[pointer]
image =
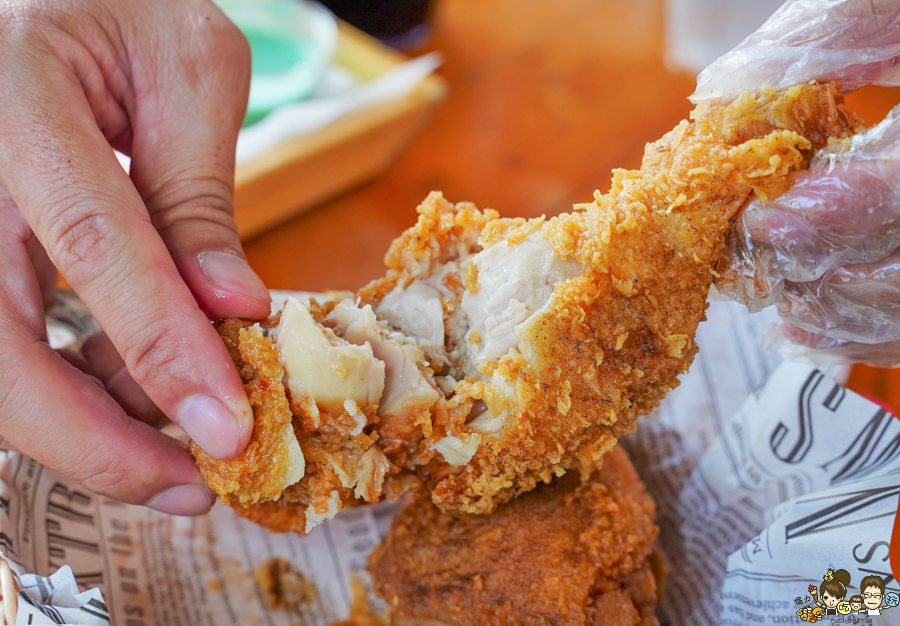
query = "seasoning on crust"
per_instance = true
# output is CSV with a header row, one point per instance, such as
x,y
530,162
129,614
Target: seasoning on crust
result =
x,y
571,553
498,353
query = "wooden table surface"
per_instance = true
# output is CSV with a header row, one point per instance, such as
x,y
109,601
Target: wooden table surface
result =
x,y
546,98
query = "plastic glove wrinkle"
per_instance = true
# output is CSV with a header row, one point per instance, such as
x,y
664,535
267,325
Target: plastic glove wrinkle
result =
x,y
854,42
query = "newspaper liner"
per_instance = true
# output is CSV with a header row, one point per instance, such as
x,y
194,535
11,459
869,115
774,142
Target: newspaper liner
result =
x,y
56,599
766,474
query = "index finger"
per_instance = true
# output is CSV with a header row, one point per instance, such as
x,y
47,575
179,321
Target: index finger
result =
x,y
64,177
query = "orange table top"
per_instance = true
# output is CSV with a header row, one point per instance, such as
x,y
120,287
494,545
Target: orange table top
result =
x,y
546,98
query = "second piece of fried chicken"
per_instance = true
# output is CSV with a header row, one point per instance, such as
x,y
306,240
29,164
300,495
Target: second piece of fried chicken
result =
x,y
498,353
569,553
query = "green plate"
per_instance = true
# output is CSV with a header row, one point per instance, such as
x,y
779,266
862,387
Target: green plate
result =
x,y
291,43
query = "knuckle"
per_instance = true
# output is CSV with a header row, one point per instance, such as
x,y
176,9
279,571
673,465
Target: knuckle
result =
x,y
104,474
192,200
211,26
79,237
151,353
233,39
117,474
233,44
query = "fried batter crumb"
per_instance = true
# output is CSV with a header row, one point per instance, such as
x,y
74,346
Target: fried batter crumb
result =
x,y
283,587
256,475
362,613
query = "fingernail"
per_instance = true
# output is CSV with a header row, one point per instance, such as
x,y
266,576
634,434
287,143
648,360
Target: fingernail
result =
x,y
183,500
213,427
231,273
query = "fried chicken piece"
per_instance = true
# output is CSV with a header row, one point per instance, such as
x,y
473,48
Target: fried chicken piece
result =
x,y
569,553
498,353
264,483
578,324
272,461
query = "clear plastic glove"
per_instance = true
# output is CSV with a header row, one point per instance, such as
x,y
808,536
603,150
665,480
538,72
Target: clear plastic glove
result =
x,y
826,252
165,82
853,42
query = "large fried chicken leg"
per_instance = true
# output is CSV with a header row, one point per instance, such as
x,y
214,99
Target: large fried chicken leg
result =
x,y
498,353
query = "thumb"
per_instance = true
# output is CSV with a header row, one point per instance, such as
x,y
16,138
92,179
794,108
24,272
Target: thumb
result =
x,y
183,148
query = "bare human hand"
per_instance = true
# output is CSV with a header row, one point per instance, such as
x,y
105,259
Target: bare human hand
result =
x,y
165,82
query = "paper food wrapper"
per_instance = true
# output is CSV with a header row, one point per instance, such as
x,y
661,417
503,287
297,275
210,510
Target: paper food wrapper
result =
x,y
56,599
766,473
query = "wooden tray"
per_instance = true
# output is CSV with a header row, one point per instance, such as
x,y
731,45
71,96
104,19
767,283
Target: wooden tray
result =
x,y
305,171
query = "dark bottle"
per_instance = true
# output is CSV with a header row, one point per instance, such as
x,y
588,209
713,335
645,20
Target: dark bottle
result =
x,y
404,24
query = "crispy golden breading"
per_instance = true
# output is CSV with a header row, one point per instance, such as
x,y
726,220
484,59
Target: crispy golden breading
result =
x,y
278,516
612,340
362,613
255,475
551,335
320,490
251,483
570,553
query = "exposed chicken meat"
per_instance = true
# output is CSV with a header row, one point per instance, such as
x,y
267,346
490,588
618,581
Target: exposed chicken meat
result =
x,y
273,460
429,312
323,371
407,388
498,353
418,310
515,280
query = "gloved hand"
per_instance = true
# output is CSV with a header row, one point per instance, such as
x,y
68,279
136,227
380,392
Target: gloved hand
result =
x,y
827,252
165,82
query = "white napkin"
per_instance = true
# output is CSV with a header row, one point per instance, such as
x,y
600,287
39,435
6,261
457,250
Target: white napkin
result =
x,y
337,97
